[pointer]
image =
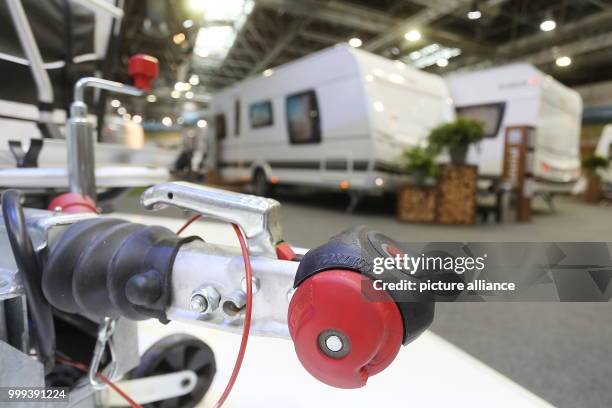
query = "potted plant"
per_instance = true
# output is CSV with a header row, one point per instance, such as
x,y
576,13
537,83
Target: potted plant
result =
x,y
593,164
420,164
457,137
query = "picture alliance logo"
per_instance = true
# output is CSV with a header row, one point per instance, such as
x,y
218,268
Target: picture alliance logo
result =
x,y
423,263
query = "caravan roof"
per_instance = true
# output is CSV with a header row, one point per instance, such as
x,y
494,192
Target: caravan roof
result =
x,y
344,61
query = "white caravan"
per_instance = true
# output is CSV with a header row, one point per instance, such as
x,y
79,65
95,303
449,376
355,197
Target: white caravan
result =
x,y
604,149
516,95
339,118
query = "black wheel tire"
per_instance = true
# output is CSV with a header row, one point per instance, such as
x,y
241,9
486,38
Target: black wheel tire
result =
x,y
175,353
260,184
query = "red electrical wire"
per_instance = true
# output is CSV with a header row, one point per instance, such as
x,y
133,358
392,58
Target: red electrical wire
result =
x,y
188,223
102,377
246,328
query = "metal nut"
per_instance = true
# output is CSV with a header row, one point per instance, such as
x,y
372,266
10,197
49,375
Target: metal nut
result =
x,y
205,300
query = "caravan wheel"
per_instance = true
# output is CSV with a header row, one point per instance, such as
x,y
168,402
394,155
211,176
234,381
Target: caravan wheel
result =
x,y
259,184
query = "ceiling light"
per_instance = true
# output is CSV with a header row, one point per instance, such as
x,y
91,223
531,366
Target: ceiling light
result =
x,y
194,80
548,25
474,14
202,123
355,42
430,55
127,116
167,121
137,119
378,106
214,41
413,35
115,103
175,94
151,98
415,55
188,23
442,62
198,5
189,95
182,86
563,61
121,111
268,72
179,38
227,10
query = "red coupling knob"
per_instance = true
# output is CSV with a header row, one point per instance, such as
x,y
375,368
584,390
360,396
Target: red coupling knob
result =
x,y
340,337
143,69
73,203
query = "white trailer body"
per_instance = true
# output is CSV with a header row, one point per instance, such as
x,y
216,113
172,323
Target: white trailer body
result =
x,y
521,95
604,149
339,118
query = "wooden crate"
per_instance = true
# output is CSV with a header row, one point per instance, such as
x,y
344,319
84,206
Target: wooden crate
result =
x,y
416,203
456,201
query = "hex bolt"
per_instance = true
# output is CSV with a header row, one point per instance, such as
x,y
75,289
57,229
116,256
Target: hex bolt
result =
x,y
198,303
204,300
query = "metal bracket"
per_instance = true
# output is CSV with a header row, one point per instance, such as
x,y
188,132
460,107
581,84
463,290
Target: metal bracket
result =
x,y
258,217
152,389
29,158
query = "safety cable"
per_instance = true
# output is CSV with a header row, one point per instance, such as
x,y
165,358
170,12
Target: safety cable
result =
x,y
27,262
102,377
246,328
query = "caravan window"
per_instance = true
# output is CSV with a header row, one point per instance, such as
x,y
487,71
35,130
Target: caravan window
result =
x,y
490,114
220,126
261,115
237,117
303,119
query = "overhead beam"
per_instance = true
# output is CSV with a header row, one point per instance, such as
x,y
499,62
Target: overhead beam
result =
x,y
537,46
281,43
574,48
434,11
600,19
333,12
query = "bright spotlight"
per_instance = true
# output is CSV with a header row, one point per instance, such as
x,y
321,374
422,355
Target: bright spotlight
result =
x,y
194,80
563,61
413,35
189,95
152,98
355,42
474,14
188,23
268,72
121,111
115,103
137,119
442,62
175,94
179,38
202,123
197,5
548,25
167,121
